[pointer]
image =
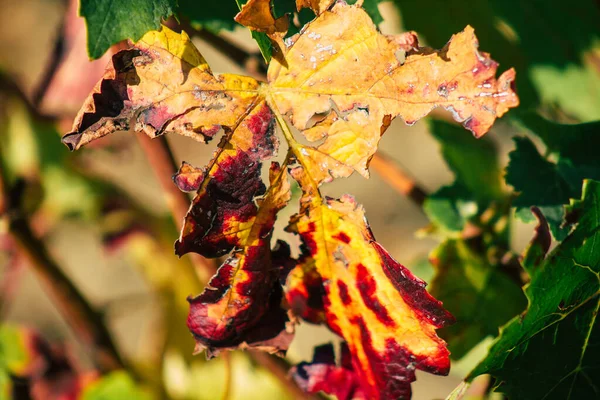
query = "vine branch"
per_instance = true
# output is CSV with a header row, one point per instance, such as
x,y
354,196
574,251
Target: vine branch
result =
x,y
86,322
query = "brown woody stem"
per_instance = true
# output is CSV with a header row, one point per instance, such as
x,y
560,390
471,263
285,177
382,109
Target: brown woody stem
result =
x,y
394,176
163,164
86,322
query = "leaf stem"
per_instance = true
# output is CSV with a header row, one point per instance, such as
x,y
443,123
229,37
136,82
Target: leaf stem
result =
x,y
293,143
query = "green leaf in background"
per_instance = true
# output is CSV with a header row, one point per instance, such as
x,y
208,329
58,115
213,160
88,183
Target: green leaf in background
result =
x,y
553,44
116,385
552,350
478,177
481,297
32,151
16,357
549,185
15,354
214,16
539,184
110,21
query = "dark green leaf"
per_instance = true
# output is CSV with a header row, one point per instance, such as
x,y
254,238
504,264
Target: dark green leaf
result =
x,y
478,177
549,185
214,16
481,297
539,183
473,161
551,351
110,21
450,207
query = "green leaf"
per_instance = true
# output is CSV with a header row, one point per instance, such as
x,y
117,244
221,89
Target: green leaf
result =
x,y
110,21
478,177
550,42
450,207
549,185
551,351
215,16
116,385
473,161
16,357
481,297
539,183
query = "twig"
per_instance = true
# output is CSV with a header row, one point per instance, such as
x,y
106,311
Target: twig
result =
x,y
394,176
278,367
80,315
52,66
228,378
164,166
391,173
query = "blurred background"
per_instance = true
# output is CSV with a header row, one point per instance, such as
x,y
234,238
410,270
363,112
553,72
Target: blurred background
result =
x,y
104,220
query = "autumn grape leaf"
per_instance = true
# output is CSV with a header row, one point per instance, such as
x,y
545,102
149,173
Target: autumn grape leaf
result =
x,y
548,184
165,85
340,83
374,303
241,305
551,350
476,292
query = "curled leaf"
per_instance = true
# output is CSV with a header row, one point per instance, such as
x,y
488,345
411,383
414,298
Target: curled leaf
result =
x,y
224,203
163,85
188,178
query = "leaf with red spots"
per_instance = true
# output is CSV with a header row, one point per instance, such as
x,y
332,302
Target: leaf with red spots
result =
x,y
241,305
381,309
